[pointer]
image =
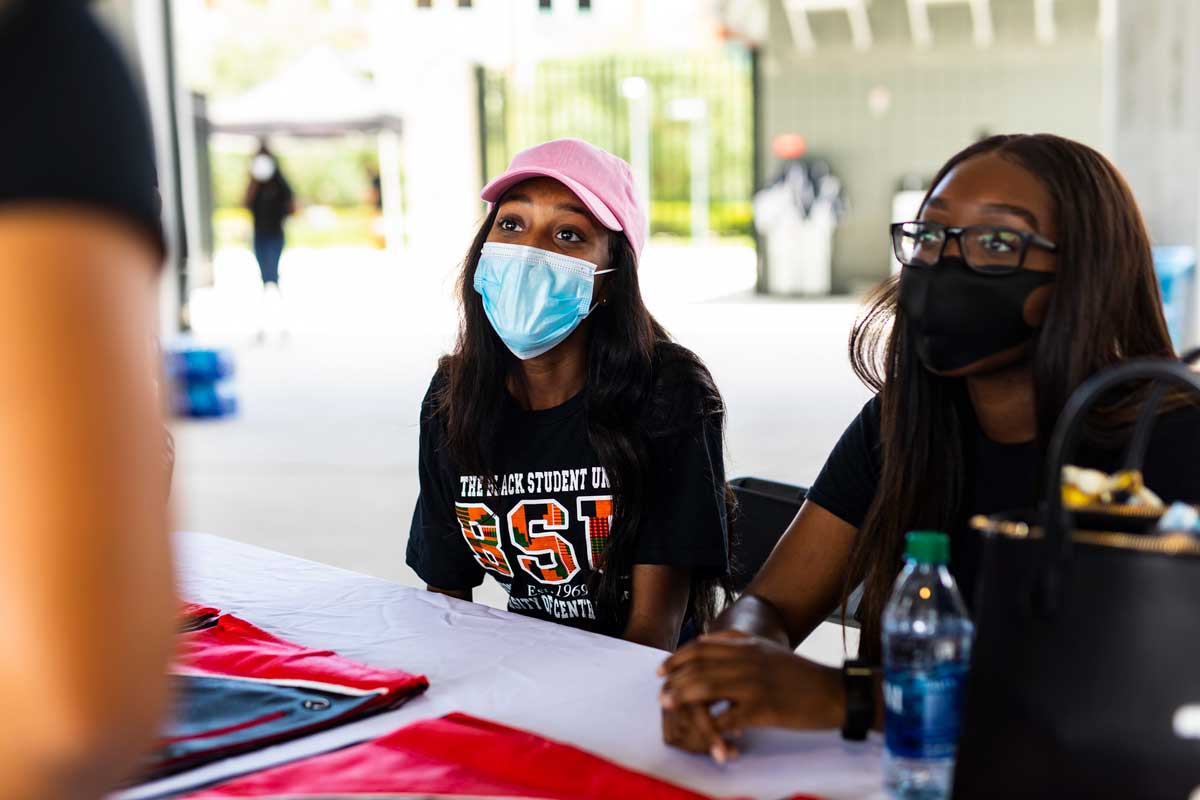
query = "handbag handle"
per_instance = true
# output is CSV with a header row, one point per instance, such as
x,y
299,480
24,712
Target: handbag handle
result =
x,y
1135,456
1065,440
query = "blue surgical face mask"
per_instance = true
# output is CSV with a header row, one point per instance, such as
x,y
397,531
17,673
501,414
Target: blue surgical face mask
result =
x,y
533,298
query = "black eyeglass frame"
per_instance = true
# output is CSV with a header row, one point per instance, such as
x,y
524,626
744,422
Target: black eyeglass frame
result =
x,y
948,232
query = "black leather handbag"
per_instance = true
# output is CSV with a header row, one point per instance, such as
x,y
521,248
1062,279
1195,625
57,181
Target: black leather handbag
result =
x,y
1085,673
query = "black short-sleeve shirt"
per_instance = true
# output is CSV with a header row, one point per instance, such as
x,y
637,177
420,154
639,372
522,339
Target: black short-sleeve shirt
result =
x,y
271,204
73,128
1004,477
541,524
846,484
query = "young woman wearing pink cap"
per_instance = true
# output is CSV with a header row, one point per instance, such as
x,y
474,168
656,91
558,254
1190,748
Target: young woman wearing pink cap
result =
x,y
569,448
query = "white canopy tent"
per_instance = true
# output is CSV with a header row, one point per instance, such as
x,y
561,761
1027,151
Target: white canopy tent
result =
x,y
318,96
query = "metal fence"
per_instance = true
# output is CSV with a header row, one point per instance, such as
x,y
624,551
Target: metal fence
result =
x,y
685,122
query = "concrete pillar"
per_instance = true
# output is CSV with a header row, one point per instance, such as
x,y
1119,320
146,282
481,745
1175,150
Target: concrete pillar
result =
x,y
390,166
1153,114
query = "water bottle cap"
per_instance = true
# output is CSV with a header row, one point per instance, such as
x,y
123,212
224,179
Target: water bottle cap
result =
x,y
927,547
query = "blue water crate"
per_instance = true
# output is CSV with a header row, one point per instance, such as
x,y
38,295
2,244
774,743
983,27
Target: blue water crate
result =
x,y
198,364
204,401
1176,271
198,378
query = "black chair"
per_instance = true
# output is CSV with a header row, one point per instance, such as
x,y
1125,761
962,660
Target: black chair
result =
x,y
765,509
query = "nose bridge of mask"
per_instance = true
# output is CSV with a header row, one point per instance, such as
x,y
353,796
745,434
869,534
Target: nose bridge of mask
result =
x,y
959,297
552,277
528,255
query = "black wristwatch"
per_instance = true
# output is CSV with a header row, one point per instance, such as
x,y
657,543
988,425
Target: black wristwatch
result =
x,y
858,676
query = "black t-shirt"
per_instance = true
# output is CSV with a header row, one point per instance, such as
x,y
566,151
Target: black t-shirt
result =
x,y
1004,477
73,129
270,205
540,525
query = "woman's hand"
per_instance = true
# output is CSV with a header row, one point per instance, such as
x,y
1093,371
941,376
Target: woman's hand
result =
x,y
764,683
691,728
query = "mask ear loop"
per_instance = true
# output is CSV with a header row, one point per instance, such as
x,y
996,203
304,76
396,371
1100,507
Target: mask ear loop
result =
x,y
597,305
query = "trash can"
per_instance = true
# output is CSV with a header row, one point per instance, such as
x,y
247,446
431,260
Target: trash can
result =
x,y
1176,271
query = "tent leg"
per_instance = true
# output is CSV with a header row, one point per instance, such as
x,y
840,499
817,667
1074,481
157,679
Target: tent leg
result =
x,y
390,189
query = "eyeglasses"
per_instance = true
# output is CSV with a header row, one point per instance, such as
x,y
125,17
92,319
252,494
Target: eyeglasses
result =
x,y
987,249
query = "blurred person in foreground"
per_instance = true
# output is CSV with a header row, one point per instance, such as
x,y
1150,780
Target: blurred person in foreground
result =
x,y
86,599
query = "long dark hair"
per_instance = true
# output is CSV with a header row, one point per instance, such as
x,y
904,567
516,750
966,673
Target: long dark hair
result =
x,y
1105,308
641,388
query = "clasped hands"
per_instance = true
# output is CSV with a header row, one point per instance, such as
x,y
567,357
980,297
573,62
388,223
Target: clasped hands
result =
x,y
724,683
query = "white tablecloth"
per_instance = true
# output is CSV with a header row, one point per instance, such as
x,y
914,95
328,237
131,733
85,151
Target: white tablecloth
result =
x,y
592,691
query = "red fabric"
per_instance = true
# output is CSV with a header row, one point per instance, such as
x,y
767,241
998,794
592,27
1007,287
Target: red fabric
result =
x,y
235,648
227,647
454,756
192,610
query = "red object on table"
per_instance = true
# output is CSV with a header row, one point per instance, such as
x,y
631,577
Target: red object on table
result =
x,y
233,647
453,756
238,688
188,611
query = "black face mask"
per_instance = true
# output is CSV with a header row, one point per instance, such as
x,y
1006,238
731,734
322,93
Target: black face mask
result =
x,y
957,316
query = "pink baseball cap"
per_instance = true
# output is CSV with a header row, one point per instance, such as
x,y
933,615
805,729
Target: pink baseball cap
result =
x,y
598,178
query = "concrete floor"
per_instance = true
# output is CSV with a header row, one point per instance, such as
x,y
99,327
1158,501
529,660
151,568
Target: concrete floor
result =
x,y
321,460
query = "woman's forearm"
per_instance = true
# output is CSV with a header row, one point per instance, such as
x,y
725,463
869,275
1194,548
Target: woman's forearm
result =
x,y
85,569
755,616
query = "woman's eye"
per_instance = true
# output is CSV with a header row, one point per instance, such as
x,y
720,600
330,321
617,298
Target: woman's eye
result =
x,y
999,243
509,225
570,236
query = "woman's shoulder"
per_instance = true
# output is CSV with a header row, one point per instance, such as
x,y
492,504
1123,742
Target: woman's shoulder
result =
x,y
870,415
683,384
1172,465
1178,429
439,384
82,135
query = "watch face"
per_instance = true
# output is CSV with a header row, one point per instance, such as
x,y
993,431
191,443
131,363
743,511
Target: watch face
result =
x,y
860,699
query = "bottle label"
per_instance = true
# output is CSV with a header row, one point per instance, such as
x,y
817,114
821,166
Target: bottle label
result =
x,y
924,710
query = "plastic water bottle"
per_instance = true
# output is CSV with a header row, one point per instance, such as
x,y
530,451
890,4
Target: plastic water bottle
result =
x,y
926,653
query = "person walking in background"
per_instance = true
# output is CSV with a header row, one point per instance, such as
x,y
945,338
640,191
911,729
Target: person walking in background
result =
x,y
86,590
271,201
374,200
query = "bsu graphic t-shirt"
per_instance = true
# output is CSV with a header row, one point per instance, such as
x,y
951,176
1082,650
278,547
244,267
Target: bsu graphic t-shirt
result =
x,y
540,525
